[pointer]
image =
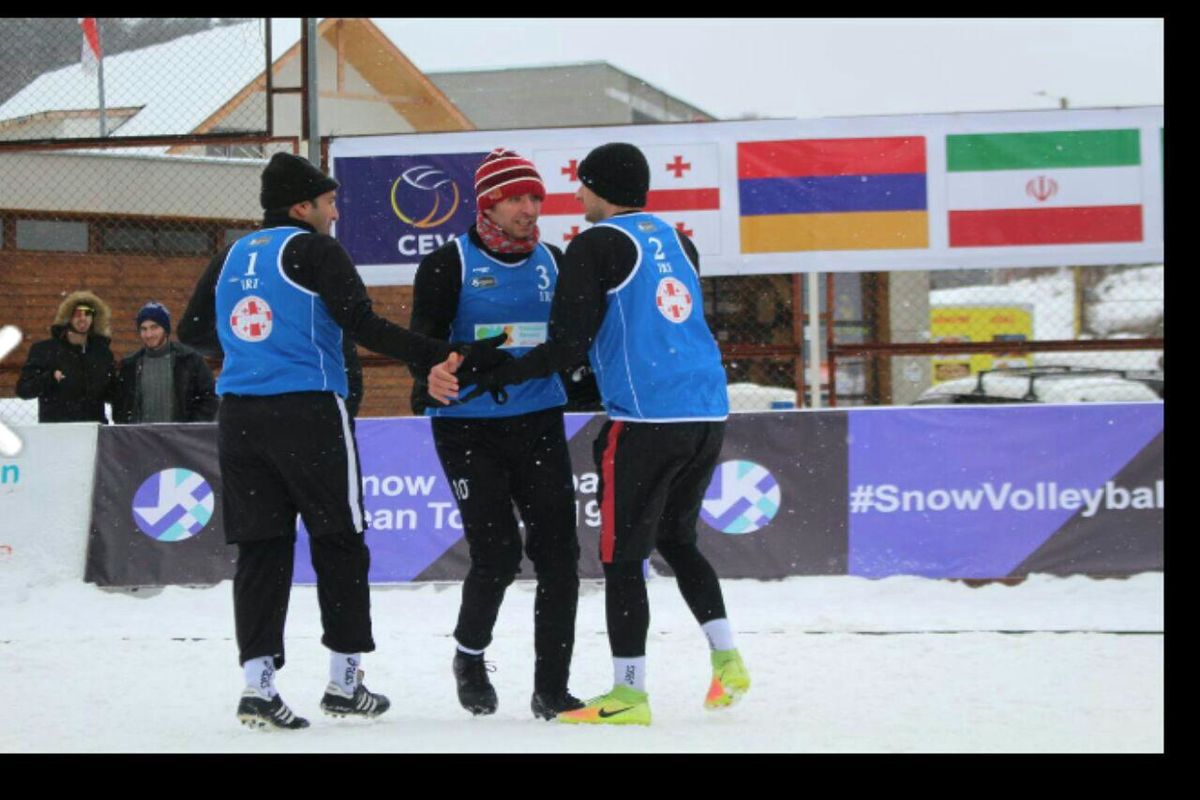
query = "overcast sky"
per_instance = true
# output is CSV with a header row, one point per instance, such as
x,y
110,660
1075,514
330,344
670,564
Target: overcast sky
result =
x,y
825,67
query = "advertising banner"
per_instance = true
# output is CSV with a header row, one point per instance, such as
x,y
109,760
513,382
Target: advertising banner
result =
x,y
859,194
156,514
956,492
986,492
979,323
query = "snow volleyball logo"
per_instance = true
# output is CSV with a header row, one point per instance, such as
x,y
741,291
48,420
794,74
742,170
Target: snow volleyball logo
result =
x,y
173,505
742,497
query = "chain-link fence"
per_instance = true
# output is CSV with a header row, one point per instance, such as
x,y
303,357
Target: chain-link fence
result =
x,y
132,198
888,338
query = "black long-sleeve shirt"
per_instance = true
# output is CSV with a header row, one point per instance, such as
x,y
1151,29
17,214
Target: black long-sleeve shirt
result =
x,y
320,264
597,260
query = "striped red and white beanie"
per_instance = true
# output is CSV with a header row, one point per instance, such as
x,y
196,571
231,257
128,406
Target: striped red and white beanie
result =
x,y
503,174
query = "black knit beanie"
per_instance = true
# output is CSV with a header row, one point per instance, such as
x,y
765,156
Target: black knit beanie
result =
x,y
618,172
289,179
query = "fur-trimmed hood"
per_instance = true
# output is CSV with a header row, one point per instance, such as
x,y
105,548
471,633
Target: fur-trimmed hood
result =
x,y
101,326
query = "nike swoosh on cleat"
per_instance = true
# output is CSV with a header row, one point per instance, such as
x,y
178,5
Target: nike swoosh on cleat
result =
x,y
606,714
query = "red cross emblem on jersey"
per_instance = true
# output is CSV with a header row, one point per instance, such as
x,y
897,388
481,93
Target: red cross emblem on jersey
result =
x,y
251,319
673,299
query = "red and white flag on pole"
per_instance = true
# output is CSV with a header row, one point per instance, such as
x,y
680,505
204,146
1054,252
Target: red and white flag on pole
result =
x,y
91,55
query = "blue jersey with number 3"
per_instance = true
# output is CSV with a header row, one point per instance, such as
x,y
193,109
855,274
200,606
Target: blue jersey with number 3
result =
x,y
511,298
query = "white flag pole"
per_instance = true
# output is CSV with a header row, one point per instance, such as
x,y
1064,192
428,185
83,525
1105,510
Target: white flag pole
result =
x,y
92,58
100,83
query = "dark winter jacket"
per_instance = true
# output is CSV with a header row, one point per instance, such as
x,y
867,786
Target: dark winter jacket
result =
x,y
195,394
89,372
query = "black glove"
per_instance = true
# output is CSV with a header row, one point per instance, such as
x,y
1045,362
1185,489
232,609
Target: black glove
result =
x,y
479,358
492,381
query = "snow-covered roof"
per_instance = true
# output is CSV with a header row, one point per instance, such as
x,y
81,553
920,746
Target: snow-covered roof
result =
x,y
177,84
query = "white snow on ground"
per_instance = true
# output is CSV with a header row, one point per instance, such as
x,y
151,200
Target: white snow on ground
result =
x,y
839,665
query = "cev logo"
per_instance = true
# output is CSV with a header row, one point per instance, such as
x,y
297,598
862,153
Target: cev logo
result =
x,y
173,505
742,497
424,187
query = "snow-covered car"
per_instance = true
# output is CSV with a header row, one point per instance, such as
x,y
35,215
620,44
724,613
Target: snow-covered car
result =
x,y
1044,385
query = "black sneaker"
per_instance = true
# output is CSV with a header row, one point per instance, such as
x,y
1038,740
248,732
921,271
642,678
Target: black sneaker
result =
x,y
475,691
363,703
547,705
255,711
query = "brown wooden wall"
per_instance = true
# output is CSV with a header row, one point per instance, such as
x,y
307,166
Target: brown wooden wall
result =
x,y
33,284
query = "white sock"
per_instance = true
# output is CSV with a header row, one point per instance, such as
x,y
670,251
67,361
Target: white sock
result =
x,y
720,635
469,651
260,676
343,671
630,672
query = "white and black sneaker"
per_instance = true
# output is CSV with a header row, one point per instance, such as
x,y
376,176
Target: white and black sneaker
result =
x,y
256,711
362,703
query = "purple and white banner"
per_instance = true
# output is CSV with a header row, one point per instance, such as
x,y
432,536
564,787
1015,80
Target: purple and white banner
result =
x,y
956,492
985,492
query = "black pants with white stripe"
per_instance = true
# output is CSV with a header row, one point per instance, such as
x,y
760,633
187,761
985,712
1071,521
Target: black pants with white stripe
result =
x,y
280,456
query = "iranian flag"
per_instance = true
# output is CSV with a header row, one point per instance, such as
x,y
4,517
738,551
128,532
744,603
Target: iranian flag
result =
x,y
1046,187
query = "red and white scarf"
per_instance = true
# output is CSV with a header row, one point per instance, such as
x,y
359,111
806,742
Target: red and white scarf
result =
x,y
495,239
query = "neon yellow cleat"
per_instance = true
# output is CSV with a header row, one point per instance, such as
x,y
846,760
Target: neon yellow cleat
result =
x,y
624,705
730,679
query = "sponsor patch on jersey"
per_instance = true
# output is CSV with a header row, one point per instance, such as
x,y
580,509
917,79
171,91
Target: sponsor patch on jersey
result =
x,y
483,281
647,227
259,240
251,319
520,334
673,299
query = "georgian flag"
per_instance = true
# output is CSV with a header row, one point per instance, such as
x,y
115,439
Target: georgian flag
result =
x,y
683,191
90,55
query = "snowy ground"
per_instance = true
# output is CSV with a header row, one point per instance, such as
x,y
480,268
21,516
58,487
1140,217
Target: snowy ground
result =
x,y
839,664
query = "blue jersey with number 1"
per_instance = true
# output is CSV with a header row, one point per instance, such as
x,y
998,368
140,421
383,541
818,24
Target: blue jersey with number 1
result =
x,y
278,337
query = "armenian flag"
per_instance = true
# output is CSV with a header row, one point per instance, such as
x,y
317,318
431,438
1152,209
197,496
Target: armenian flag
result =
x,y
833,194
1045,187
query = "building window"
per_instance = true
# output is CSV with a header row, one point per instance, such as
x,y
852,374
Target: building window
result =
x,y
184,243
138,237
233,234
53,235
234,150
128,240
